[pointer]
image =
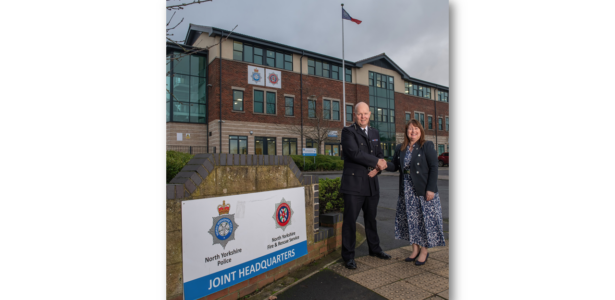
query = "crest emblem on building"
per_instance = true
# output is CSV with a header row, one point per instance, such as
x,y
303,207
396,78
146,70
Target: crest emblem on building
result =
x,y
224,226
273,78
283,214
256,76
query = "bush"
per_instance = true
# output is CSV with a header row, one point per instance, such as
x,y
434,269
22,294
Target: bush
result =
x,y
323,163
330,196
175,162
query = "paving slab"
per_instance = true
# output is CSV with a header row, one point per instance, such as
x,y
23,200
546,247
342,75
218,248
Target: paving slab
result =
x,y
342,270
402,290
402,270
373,279
430,282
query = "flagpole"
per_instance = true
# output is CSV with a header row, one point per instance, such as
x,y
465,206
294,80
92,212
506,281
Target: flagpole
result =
x,y
343,72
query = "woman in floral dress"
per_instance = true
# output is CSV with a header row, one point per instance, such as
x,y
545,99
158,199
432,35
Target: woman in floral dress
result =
x,y
419,213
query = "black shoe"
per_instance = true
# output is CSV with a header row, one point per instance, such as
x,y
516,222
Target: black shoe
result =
x,y
418,263
380,255
350,264
411,259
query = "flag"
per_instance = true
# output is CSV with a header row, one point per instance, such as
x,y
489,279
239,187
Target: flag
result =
x,y
346,16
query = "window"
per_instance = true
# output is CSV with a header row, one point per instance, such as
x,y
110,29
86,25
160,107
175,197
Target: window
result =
x,y
348,113
407,117
392,116
186,88
260,106
264,145
326,109
439,123
440,149
332,149
311,108
418,90
420,117
309,143
335,111
442,96
325,69
348,75
430,122
446,123
238,144
237,100
271,103
290,106
254,54
259,101
289,146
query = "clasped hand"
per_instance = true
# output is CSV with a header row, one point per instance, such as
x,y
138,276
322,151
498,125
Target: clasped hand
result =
x,y
382,164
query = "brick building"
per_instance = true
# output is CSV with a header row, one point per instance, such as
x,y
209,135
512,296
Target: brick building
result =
x,y
222,99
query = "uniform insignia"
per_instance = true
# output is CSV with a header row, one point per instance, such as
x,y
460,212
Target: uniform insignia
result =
x,y
374,140
224,226
283,214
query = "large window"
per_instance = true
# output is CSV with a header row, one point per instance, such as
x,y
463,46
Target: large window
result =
x,y
439,123
417,90
326,109
328,70
261,56
260,106
419,116
440,149
349,113
237,100
186,88
446,123
382,106
264,145
335,109
311,108
238,144
407,117
289,104
259,101
430,122
442,96
271,103
289,146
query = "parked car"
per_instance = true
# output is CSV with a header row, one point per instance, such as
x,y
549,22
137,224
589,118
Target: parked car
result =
x,y
443,159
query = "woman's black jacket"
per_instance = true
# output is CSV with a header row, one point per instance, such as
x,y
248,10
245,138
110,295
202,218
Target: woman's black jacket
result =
x,y
423,167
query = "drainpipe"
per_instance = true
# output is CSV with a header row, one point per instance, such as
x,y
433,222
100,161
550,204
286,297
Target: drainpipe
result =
x,y
220,93
435,108
301,95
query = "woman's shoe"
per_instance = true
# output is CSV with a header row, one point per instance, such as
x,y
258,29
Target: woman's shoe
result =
x,y
418,263
409,259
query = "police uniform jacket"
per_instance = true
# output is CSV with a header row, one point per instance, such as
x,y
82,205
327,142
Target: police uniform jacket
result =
x,y
423,167
360,153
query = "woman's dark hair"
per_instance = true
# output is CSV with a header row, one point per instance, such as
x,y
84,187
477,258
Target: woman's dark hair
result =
x,y
421,140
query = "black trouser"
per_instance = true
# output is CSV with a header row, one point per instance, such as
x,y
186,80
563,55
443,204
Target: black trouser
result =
x,y
352,207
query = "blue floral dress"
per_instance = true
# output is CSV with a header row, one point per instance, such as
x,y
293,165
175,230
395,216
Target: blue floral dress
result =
x,y
418,221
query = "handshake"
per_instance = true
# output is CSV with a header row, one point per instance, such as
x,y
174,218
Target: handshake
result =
x,y
382,164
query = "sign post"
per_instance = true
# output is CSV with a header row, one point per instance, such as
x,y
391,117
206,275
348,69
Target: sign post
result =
x,y
309,152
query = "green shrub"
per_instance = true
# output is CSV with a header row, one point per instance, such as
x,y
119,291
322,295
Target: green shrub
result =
x,y
330,196
175,162
323,163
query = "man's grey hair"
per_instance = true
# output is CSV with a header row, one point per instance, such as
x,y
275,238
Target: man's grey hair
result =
x,y
357,106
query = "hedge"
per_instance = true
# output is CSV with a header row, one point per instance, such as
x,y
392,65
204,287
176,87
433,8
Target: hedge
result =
x,y
175,162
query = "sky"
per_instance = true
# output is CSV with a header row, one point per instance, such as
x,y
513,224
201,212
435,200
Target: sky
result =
x,y
414,34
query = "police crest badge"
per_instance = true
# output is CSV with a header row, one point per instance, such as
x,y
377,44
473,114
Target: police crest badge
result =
x,y
224,226
283,214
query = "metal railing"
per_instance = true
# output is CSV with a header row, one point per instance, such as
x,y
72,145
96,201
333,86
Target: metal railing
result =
x,y
187,149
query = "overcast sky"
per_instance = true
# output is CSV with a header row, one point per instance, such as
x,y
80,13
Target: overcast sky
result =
x,y
413,33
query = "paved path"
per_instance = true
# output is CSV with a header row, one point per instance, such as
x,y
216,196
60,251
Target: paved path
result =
x,y
382,279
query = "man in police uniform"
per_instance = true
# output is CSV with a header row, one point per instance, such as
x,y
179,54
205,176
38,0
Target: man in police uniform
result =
x,y
361,153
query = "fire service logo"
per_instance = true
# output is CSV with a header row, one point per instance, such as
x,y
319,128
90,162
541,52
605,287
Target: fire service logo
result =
x,y
256,76
283,214
224,226
273,78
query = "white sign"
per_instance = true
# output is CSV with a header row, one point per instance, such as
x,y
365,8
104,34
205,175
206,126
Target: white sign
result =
x,y
256,75
179,136
309,151
332,134
227,240
273,78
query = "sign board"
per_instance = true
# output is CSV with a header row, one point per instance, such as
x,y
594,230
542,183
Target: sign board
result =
x,y
332,134
227,240
309,151
256,75
273,79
